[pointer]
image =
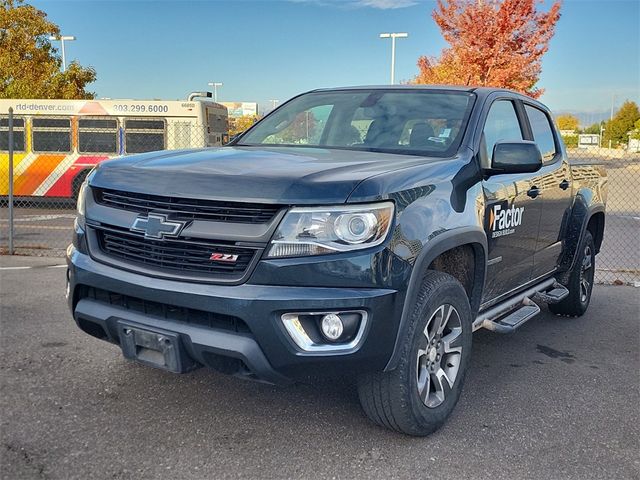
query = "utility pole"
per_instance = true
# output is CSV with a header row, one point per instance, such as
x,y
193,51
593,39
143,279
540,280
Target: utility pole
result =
x,y
62,39
613,101
307,112
215,86
10,148
393,37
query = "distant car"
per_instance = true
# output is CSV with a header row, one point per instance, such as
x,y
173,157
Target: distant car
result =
x,y
365,231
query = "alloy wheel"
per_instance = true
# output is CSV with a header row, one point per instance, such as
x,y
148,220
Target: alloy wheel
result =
x,y
439,355
586,274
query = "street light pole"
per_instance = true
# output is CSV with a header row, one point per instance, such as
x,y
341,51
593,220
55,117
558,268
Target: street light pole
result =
x,y
62,39
393,37
215,86
613,101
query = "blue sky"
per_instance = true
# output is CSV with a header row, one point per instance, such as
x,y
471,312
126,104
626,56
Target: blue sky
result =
x,y
265,50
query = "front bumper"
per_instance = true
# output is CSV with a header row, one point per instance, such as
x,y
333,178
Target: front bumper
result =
x,y
265,350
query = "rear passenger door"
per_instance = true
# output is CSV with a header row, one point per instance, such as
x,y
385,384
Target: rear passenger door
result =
x,y
554,184
511,214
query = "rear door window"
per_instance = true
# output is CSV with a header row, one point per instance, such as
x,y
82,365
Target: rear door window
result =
x,y
542,133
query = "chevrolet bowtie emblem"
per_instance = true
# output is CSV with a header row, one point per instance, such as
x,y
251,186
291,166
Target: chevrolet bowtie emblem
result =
x,y
157,226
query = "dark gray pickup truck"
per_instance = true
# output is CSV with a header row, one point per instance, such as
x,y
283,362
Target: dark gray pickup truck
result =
x,y
362,231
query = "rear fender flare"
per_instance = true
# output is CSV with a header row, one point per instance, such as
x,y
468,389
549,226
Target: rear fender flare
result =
x,y
582,211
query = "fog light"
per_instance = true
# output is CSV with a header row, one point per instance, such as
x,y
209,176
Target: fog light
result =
x,y
332,326
326,332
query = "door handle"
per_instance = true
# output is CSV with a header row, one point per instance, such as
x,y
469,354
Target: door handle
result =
x,y
533,192
564,184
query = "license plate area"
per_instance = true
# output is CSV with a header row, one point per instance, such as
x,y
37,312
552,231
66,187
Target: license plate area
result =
x,y
156,348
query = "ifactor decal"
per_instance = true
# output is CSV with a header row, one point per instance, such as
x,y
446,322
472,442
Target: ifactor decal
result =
x,y
503,219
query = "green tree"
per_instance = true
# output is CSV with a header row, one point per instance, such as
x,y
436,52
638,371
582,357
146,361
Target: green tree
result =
x,y
567,122
29,64
570,141
635,133
301,130
240,124
593,129
618,128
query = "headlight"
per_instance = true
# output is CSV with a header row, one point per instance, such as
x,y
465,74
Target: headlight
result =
x,y
82,193
321,230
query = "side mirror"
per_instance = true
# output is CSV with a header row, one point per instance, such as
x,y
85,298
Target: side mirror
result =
x,y
515,157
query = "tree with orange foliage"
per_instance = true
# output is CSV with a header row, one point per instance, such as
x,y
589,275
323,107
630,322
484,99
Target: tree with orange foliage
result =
x,y
492,43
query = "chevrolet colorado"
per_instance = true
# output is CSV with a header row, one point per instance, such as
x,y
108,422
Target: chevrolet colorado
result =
x,y
364,231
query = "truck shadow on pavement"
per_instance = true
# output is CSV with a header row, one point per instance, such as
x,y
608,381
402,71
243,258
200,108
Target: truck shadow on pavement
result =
x,y
503,378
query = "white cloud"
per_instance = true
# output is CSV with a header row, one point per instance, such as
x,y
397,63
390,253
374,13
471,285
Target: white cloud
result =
x,y
377,4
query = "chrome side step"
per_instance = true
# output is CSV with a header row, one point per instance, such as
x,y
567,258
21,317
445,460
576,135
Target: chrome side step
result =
x,y
514,319
514,312
557,293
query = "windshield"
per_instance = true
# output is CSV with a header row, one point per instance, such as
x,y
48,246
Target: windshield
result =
x,y
423,122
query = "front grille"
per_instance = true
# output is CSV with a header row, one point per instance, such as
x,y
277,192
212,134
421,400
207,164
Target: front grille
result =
x,y
186,208
166,311
184,255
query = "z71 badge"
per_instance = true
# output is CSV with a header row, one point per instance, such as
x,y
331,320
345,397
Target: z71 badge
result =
x,y
223,257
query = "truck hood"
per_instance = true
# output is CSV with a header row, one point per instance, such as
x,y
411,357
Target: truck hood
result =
x,y
282,175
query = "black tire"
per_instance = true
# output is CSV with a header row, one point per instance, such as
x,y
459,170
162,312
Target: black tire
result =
x,y
580,283
393,399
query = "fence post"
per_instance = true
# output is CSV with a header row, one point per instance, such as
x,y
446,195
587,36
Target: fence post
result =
x,y
10,180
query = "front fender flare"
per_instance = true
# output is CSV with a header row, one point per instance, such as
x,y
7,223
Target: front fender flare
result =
x,y
447,240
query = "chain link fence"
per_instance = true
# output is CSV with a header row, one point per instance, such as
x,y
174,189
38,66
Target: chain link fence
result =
x,y
52,155
619,258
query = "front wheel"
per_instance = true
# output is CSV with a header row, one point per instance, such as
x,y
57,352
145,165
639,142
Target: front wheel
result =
x,y
421,392
580,284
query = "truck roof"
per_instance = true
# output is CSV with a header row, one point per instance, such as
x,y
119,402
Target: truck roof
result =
x,y
462,88
480,91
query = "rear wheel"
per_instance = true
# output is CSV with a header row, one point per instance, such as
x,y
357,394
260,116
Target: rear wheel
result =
x,y
417,397
580,284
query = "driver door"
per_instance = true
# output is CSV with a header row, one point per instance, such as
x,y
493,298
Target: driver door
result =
x,y
512,212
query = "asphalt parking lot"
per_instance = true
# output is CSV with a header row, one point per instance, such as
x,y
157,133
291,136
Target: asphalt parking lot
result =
x,y
559,399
